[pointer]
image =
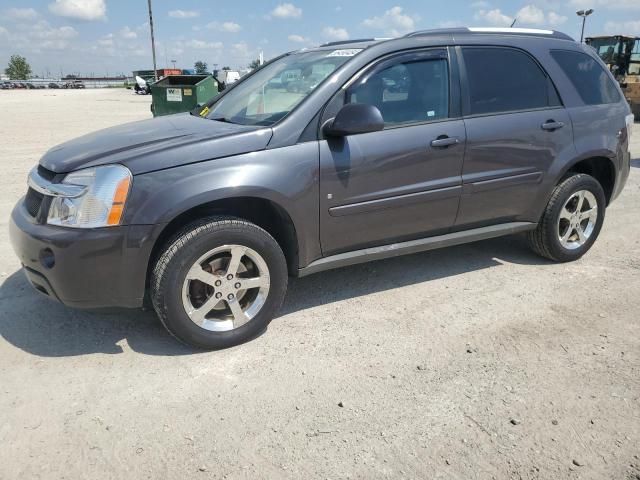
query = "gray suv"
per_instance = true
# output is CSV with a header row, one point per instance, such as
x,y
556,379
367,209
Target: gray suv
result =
x,y
382,148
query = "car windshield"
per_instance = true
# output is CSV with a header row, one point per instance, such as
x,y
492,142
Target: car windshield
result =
x,y
621,52
607,48
276,89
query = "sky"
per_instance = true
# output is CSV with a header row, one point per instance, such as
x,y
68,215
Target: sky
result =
x,y
108,37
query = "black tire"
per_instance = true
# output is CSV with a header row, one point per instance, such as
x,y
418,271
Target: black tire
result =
x,y
184,249
544,240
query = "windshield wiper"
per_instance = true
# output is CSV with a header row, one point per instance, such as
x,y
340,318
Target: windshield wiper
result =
x,y
222,119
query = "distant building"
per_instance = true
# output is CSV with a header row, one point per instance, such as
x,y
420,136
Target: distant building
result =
x,y
147,75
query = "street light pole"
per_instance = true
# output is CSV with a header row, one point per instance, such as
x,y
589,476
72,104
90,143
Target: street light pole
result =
x,y
153,43
584,14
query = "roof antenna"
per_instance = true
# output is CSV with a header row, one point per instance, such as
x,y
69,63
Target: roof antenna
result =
x,y
514,22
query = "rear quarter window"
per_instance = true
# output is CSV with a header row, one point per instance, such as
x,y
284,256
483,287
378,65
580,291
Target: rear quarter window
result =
x,y
591,81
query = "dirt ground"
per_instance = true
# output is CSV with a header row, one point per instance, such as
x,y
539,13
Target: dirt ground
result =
x,y
478,361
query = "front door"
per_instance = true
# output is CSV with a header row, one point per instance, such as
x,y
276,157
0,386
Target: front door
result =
x,y
403,182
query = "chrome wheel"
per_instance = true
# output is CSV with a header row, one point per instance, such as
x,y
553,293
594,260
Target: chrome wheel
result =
x,y
577,220
225,288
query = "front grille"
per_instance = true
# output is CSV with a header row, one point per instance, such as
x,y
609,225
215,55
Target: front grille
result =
x,y
33,201
46,174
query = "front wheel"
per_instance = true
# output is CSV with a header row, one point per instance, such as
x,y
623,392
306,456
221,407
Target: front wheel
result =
x,y
571,221
219,282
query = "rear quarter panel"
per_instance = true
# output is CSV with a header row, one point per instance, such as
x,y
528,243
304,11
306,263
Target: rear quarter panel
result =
x,y
595,127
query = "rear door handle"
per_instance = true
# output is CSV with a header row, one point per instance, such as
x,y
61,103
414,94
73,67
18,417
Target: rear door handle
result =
x,y
552,125
443,141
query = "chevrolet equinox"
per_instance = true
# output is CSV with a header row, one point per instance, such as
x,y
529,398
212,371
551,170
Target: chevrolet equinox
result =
x,y
326,157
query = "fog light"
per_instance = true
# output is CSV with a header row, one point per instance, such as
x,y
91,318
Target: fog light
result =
x,y
47,258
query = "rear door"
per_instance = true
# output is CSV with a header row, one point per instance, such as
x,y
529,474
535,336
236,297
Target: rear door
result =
x,y
516,128
403,182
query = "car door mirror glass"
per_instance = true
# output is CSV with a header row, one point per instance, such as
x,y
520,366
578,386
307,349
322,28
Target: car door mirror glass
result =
x,y
354,118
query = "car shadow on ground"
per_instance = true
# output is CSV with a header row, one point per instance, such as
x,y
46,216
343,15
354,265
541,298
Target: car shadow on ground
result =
x,y
635,163
39,326
372,277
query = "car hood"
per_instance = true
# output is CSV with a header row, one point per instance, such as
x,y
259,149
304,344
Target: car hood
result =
x,y
156,144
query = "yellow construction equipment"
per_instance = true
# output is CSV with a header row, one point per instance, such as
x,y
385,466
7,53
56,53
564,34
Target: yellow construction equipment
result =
x,y
621,53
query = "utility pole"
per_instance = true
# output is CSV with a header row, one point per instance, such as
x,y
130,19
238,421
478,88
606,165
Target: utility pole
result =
x,y
153,43
584,14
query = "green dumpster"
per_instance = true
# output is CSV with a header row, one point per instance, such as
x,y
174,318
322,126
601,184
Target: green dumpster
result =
x,y
181,93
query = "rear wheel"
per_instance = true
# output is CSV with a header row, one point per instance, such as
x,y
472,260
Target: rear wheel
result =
x,y
219,283
572,220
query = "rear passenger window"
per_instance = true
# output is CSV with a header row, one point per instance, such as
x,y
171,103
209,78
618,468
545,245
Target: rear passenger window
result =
x,y
505,80
592,82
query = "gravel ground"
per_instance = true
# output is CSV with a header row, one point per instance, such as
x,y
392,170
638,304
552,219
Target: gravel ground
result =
x,y
478,361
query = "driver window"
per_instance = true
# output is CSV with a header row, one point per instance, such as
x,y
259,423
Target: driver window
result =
x,y
405,93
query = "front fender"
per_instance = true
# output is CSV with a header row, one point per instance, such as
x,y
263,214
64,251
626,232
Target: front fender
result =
x,y
287,177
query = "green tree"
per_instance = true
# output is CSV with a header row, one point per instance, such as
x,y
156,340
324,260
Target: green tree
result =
x,y
200,67
18,68
254,64
226,68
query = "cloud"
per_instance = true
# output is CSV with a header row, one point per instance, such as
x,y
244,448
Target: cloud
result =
x,y
21,14
45,31
286,10
480,4
297,39
106,41
527,15
622,27
335,33
393,22
201,44
42,36
230,27
530,14
79,9
240,50
555,19
127,33
184,14
608,4
494,18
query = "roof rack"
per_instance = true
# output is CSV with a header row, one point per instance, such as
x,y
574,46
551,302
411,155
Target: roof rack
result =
x,y
355,40
535,32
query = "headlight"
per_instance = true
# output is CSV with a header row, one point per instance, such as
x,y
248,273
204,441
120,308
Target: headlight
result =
x,y
101,205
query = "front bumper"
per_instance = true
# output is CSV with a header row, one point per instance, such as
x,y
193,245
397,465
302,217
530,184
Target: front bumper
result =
x,y
92,268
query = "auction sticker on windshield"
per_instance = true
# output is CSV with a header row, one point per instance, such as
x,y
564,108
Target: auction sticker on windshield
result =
x,y
348,52
174,94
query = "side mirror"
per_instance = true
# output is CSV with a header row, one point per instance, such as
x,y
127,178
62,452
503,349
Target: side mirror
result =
x,y
352,119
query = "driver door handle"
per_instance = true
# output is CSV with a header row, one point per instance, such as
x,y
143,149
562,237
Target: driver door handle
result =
x,y
552,125
444,141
